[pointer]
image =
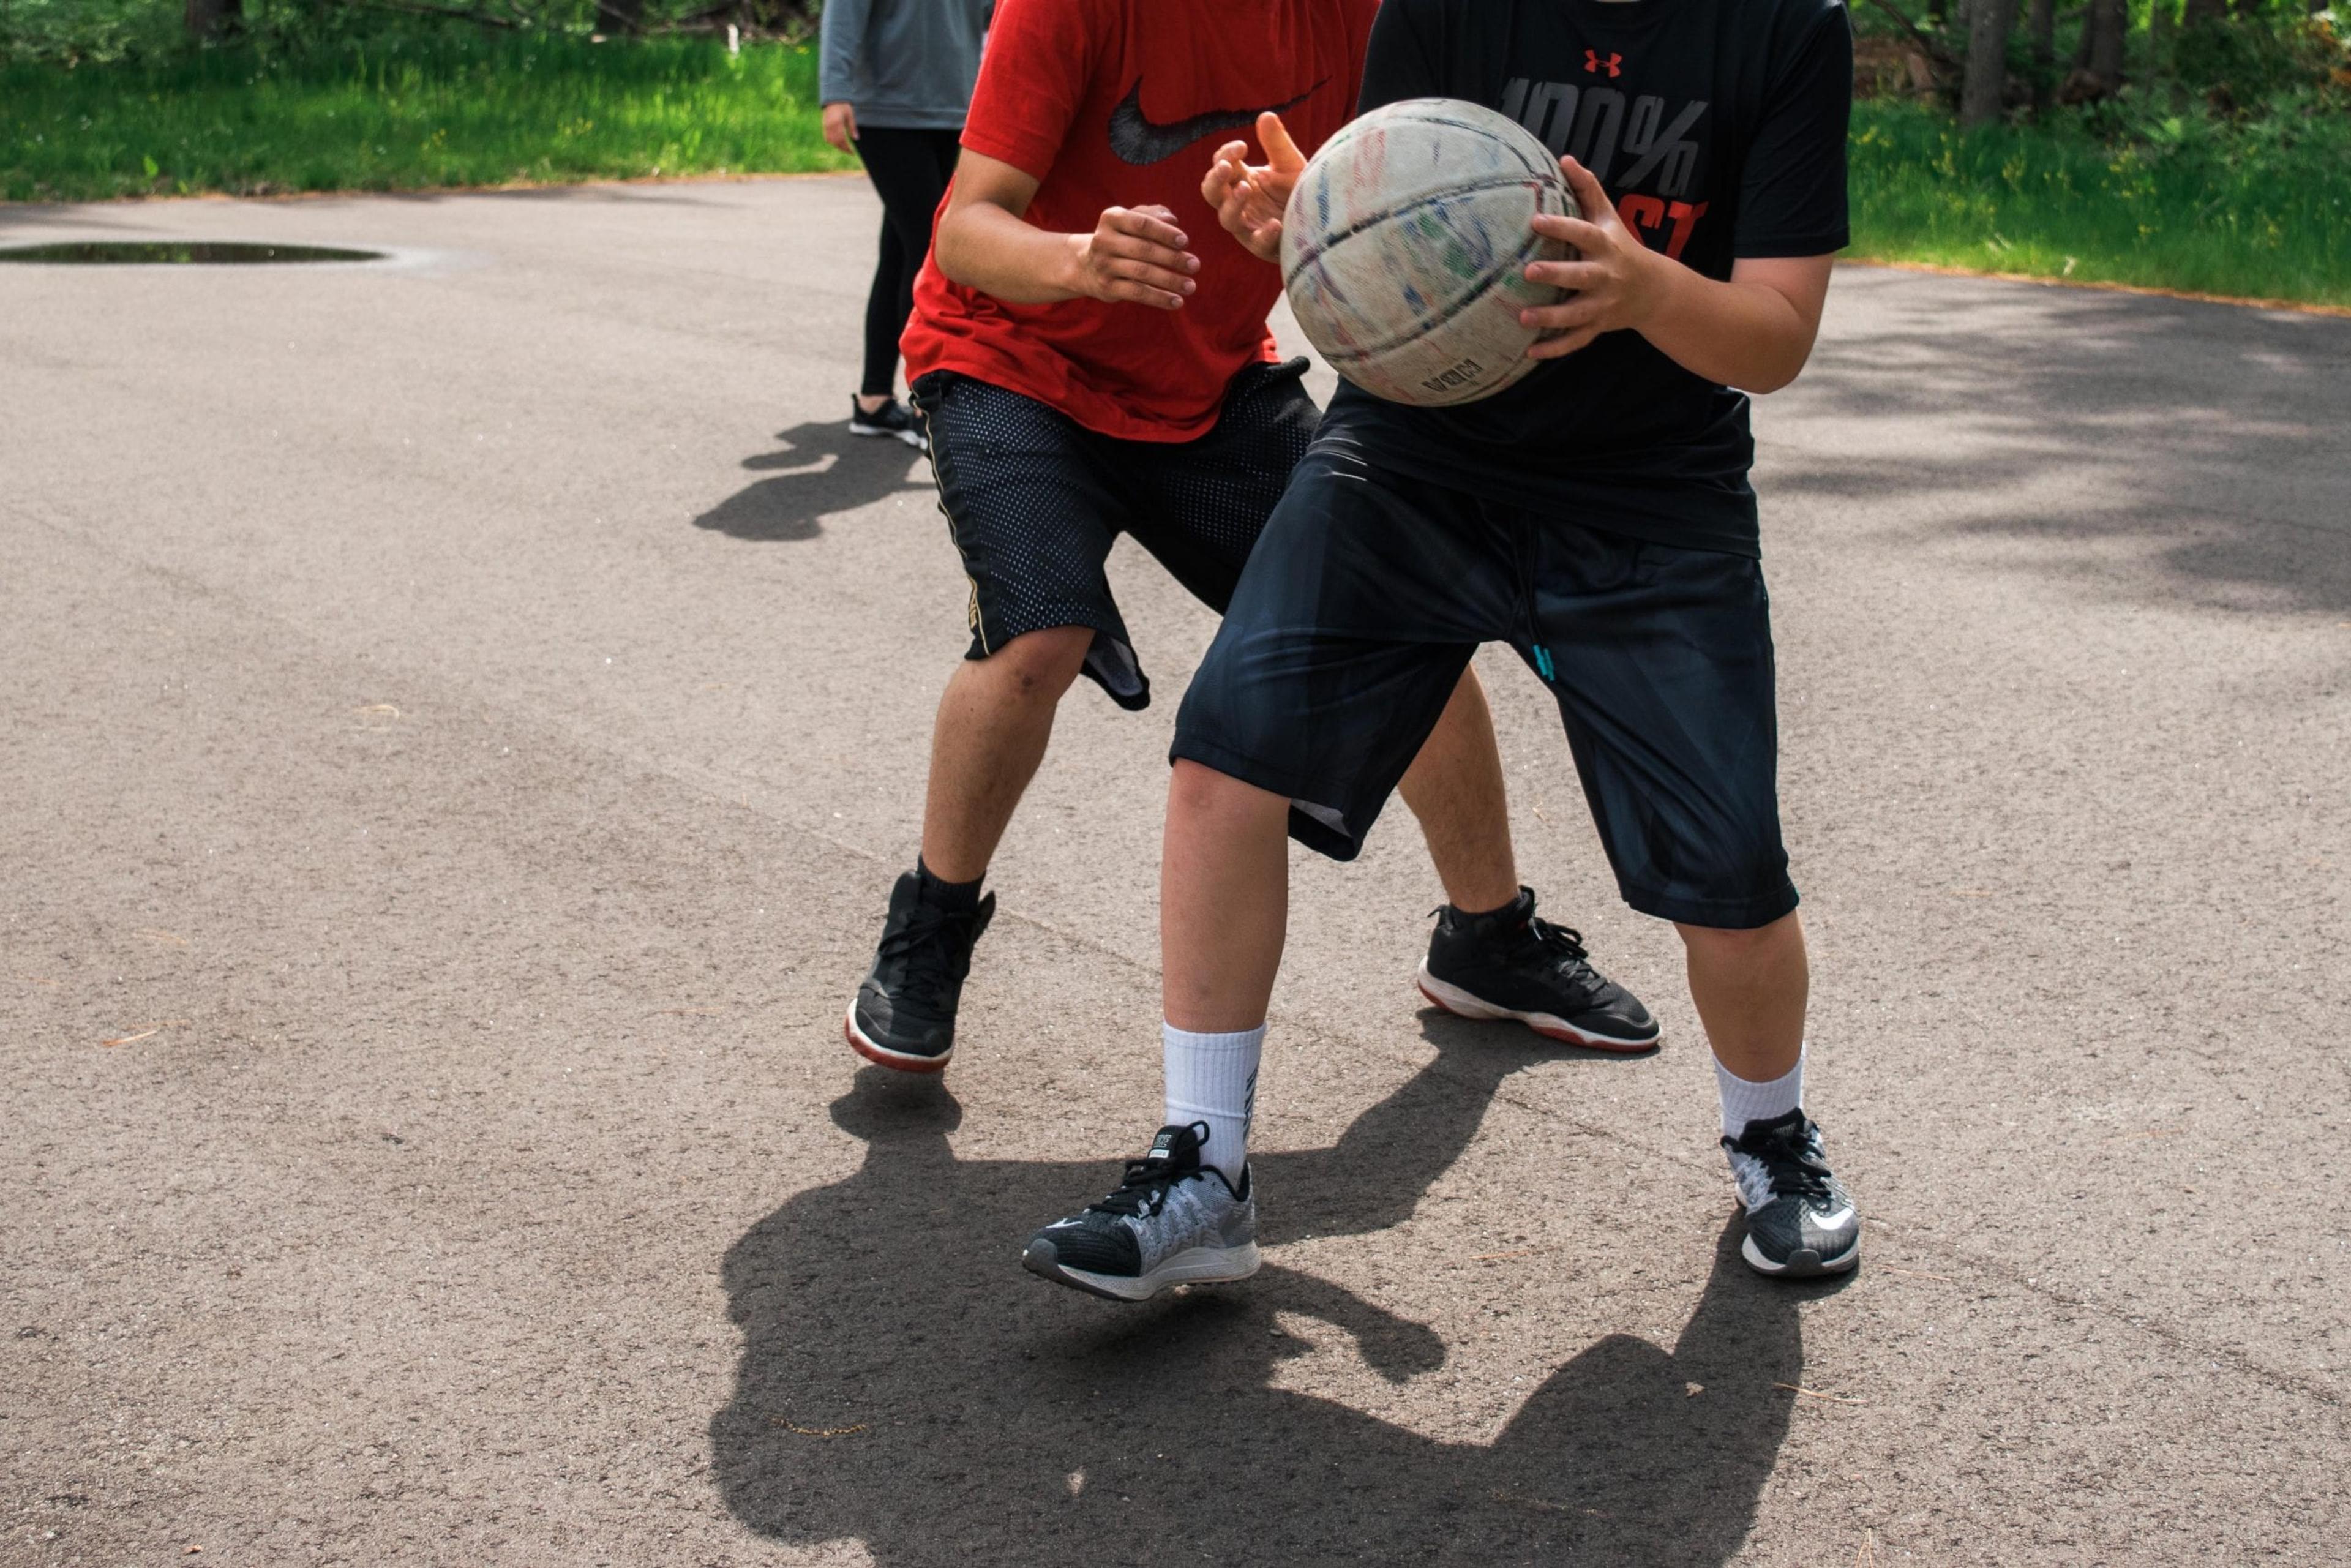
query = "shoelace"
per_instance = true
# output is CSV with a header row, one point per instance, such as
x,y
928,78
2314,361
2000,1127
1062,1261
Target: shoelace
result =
x,y
1142,1189
926,942
1786,1154
1563,947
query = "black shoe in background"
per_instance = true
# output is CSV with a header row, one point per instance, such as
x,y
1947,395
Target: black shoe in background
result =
x,y
893,418
1510,965
1801,1222
905,1014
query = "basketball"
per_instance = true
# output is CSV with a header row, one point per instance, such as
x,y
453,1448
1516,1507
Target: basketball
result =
x,y
1404,248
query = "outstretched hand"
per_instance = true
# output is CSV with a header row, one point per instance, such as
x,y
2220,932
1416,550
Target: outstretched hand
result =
x,y
1135,256
1614,277
1249,198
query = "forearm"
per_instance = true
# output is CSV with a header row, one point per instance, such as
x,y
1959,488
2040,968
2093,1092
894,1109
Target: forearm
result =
x,y
1744,335
985,248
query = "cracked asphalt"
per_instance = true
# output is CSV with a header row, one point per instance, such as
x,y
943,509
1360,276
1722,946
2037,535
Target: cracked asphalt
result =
x,y
461,719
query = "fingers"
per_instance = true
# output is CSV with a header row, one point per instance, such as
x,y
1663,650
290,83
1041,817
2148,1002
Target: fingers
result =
x,y
1154,225
1280,151
1582,235
1571,274
1151,274
1139,291
1563,345
840,121
1588,193
1572,316
1177,263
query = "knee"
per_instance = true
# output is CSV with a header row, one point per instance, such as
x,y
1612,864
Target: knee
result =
x,y
1042,665
1198,791
1740,942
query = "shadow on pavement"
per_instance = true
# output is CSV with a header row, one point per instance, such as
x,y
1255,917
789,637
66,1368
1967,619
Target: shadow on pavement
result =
x,y
818,469
2204,439
903,1384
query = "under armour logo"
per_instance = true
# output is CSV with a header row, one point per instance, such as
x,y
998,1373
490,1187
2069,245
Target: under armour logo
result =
x,y
1613,65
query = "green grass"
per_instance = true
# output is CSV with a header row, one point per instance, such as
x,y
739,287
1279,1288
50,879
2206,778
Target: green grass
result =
x,y
407,114
2259,210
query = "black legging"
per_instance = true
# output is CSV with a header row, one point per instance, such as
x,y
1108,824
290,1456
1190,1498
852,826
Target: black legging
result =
x,y
910,170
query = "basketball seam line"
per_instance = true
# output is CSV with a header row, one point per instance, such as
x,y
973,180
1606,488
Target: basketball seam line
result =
x,y
1422,328
1325,247
1486,131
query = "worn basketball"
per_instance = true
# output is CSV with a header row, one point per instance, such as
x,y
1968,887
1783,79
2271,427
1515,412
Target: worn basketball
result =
x,y
1406,244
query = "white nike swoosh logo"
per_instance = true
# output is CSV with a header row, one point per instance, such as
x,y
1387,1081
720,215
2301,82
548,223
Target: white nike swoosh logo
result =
x,y
1831,1221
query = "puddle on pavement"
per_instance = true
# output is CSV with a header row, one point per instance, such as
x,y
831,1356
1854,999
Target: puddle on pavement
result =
x,y
185,253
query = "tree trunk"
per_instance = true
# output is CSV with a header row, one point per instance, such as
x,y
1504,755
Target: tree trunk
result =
x,y
617,15
212,18
2196,12
1989,25
2110,22
2041,25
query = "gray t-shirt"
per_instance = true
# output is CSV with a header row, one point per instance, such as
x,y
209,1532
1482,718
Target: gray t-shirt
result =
x,y
907,65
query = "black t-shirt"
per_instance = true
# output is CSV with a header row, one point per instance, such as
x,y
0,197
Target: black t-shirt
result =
x,y
1717,128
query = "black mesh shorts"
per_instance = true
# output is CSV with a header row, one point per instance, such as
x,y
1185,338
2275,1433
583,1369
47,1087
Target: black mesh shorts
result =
x,y
1035,500
1368,594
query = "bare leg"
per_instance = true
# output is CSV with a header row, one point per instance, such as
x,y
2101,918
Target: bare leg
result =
x,y
1751,989
1455,788
994,721
1224,900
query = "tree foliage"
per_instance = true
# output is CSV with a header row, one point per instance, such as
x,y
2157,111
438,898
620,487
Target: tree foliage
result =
x,y
104,31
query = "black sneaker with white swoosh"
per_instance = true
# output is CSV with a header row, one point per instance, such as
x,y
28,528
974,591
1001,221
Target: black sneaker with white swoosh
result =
x,y
1801,1222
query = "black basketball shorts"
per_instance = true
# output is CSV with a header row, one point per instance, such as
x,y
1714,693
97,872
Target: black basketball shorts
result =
x,y
1035,500
1369,592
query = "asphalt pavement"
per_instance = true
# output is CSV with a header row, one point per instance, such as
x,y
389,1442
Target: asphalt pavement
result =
x,y
460,717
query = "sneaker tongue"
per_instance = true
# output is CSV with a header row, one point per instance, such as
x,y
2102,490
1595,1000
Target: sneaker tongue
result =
x,y
1176,1145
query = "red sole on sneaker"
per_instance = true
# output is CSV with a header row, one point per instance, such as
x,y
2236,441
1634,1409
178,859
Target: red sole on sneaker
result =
x,y
896,1061
1562,1033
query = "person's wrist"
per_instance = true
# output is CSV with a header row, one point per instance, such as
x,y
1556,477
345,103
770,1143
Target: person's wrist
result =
x,y
1652,283
1073,280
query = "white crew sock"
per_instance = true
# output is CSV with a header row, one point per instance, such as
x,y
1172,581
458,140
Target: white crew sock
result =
x,y
1212,1078
1744,1101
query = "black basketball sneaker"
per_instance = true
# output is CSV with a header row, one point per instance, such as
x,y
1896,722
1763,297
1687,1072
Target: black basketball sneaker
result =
x,y
1509,964
1801,1222
893,418
1172,1221
905,1014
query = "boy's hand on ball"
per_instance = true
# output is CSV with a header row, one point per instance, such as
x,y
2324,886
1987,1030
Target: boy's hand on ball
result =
x,y
1614,276
1134,256
1250,198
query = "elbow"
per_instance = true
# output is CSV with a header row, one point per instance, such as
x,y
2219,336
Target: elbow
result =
x,y
1763,386
1770,378
947,251
951,248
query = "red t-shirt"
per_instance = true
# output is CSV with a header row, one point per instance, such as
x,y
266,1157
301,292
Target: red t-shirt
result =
x,y
1121,103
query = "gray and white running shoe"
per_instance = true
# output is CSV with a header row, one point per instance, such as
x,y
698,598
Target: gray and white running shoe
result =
x,y
1172,1221
1801,1222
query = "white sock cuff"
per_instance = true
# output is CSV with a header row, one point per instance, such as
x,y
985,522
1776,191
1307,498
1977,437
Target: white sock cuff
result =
x,y
1744,1101
1212,1078
1239,1039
